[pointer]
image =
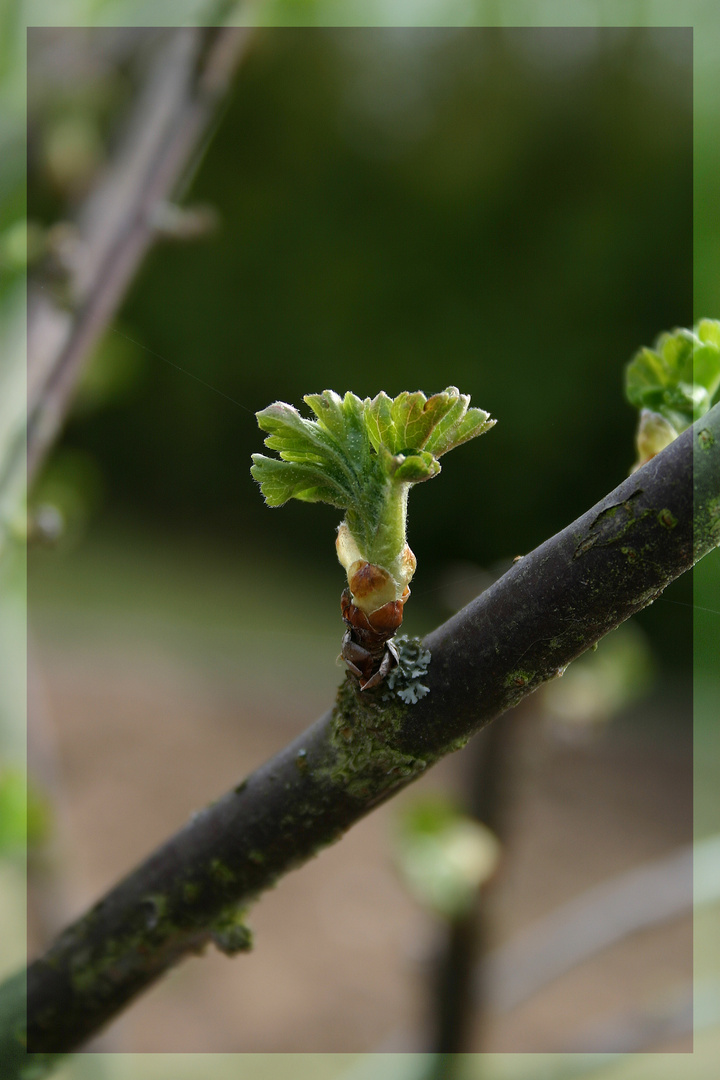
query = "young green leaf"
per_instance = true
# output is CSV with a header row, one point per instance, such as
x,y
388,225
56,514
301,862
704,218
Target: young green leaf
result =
x,y
444,856
679,376
413,422
363,456
673,384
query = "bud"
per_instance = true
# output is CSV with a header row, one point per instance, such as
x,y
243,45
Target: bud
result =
x,y
653,435
373,586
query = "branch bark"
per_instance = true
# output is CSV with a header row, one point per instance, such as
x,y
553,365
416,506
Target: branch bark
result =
x,y
550,607
118,224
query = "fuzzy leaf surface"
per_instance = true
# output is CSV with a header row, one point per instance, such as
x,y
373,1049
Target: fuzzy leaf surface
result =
x,y
363,456
414,422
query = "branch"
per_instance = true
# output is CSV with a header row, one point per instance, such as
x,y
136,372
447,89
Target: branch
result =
x,y
117,226
596,919
550,607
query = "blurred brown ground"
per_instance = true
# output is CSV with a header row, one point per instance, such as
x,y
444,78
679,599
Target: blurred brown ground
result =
x,y
342,953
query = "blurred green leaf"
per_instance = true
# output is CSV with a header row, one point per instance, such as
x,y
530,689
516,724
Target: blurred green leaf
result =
x,y
24,814
444,855
600,683
114,370
70,487
677,378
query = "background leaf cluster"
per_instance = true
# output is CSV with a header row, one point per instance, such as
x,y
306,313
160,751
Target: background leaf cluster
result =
x,y
679,376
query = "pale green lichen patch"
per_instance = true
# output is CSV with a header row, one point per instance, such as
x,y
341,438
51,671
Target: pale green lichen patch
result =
x,y
364,759
405,680
706,438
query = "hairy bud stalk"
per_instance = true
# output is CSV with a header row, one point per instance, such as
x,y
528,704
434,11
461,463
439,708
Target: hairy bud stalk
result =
x,y
371,584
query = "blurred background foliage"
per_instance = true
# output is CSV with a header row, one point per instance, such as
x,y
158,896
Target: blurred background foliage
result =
x,y
509,211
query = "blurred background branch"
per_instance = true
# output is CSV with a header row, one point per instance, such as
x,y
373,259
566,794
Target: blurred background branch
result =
x,y
126,212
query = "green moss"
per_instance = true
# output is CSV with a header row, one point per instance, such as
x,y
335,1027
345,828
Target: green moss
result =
x,y
221,872
667,519
647,597
519,678
92,965
457,744
707,528
363,756
87,974
229,932
706,438
84,975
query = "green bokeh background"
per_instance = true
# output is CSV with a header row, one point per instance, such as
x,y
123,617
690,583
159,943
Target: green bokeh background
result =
x,y
508,211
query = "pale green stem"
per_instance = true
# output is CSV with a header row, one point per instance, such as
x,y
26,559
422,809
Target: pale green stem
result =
x,y
386,544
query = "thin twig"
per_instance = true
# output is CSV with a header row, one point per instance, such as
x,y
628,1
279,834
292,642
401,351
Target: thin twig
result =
x,y
549,608
119,223
577,930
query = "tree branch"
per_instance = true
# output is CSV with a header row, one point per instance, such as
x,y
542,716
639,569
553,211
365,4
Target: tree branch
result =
x,y
550,607
117,226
